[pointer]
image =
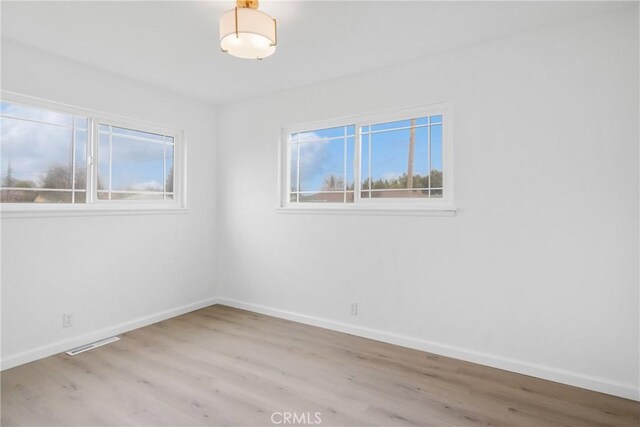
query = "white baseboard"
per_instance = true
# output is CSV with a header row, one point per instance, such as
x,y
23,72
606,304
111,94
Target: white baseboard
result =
x,y
577,379
61,346
603,385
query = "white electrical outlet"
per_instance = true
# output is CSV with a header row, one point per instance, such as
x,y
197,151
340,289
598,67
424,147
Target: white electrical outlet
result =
x,y
67,320
354,309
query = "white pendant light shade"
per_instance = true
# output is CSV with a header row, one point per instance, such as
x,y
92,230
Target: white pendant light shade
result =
x,y
247,33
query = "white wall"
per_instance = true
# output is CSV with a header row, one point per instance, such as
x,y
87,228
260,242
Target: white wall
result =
x,y
113,272
538,272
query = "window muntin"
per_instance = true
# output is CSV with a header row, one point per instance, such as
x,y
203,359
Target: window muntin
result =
x,y
51,157
44,155
379,155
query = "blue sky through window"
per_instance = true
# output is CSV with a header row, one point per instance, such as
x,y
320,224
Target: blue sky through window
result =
x,y
136,164
322,152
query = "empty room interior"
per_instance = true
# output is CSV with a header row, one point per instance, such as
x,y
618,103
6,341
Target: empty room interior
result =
x,y
328,213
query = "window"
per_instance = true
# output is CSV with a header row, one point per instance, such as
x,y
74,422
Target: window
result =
x,y
399,159
54,157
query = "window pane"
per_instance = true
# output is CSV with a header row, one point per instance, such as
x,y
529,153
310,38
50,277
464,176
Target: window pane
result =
x,y
80,197
436,156
34,196
35,113
57,176
104,195
104,160
420,158
391,125
322,165
349,197
365,169
168,182
81,159
136,133
293,166
351,130
351,142
35,155
399,194
81,123
37,151
136,196
402,159
322,134
136,165
398,156
322,197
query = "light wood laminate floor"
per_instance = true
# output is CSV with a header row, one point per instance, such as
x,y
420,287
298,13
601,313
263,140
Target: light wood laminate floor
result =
x,y
223,366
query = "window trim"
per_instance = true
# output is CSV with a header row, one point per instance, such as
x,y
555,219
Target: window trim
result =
x,y
439,207
93,205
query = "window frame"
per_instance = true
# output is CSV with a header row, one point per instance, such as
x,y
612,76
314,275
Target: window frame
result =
x,y
439,206
93,205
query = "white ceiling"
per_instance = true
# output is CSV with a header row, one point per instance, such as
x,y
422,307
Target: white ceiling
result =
x,y
175,44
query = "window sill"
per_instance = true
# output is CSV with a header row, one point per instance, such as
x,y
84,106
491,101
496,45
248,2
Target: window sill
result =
x,y
439,211
48,212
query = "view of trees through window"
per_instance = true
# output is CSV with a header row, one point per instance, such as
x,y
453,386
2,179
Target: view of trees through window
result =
x,y
44,159
322,165
400,159
43,156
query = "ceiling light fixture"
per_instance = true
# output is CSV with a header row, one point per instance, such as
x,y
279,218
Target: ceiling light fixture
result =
x,y
248,33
